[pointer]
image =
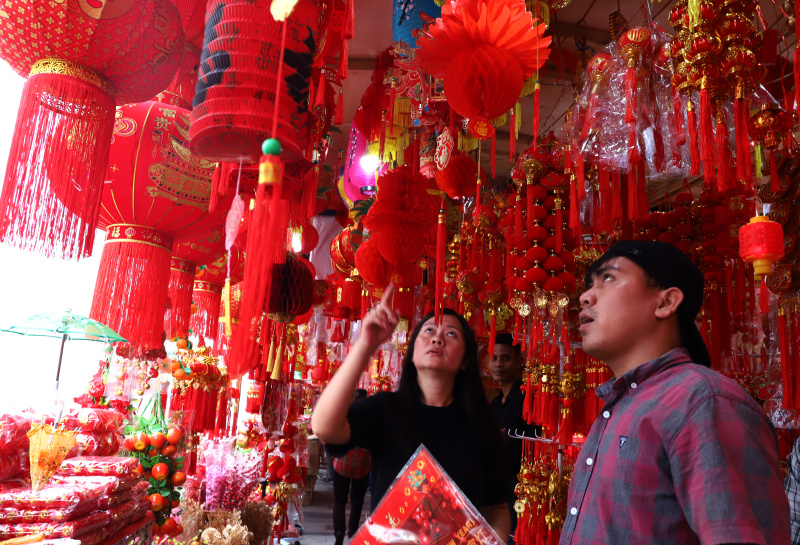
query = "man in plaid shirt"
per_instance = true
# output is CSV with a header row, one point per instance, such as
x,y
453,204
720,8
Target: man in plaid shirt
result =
x,y
680,454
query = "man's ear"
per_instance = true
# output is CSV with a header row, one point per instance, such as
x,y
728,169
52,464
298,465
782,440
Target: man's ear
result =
x,y
671,299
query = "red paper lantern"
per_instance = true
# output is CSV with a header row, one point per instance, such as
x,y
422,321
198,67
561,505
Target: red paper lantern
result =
x,y
235,94
460,177
81,58
157,191
292,290
761,243
371,265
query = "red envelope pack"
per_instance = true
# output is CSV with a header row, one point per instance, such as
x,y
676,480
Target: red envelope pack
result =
x,y
53,496
53,530
119,466
94,537
96,420
142,508
10,465
424,505
136,492
109,484
14,515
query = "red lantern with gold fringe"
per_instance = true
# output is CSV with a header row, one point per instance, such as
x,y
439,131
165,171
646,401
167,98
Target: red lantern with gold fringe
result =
x,y
81,58
209,284
185,259
157,190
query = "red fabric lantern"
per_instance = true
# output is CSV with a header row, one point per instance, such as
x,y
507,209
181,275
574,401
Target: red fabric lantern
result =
x,y
403,217
156,190
234,101
761,243
185,259
81,58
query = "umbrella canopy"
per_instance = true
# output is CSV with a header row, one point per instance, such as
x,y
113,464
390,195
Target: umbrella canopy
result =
x,y
61,324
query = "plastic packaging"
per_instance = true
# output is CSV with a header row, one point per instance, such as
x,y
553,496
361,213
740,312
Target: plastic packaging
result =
x,y
53,496
52,530
14,432
14,515
423,505
99,465
230,475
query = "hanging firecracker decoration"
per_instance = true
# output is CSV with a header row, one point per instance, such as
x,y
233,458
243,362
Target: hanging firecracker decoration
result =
x,y
81,59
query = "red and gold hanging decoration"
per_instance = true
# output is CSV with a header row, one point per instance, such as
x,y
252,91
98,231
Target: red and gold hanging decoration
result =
x,y
81,59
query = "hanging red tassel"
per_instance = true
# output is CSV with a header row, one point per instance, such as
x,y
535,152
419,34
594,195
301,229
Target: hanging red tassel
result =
x,y
764,296
536,89
724,168
616,199
181,282
630,96
740,115
342,70
415,155
492,333
529,199
492,152
594,101
574,208
786,370
694,145
382,141
796,60
706,137
579,170
441,256
559,226
677,112
773,172
518,231
339,117
512,135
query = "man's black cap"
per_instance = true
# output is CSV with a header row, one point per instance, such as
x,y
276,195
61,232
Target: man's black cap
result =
x,y
504,338
670,268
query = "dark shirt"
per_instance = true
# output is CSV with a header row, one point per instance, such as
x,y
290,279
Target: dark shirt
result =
x,y
679,455
474,464
509,417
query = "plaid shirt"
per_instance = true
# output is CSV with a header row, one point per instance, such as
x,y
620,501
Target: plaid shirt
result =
x,y
792,485
353,465
679,455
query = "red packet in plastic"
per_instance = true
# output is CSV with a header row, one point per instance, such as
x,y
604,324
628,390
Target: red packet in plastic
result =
x,y
52,496
109,484
120,466
14,515
14,432
424,505
136,492
53,530
94,537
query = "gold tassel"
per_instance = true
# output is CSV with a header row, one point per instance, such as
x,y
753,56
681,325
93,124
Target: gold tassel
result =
x,y
226,296
271,357
517,119
276,370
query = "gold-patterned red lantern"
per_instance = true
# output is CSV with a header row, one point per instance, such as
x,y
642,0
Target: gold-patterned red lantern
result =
x,y
81,58
157,192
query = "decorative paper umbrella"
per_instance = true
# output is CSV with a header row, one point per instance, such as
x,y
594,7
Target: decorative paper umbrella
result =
x,y
48,448
81,58
65,325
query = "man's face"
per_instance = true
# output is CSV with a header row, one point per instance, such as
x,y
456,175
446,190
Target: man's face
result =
x,y
618,310
505,366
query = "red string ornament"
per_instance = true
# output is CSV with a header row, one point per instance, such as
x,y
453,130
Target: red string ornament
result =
x,y
634,44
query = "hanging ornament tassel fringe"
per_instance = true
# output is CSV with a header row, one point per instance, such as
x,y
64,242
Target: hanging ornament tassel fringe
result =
x,y
536,92
707,137
773,172
181,282
512,135
207,298
441,256
677,112
130,294
574,209
56,166
740,114
339,116
724,159
694,144
493,147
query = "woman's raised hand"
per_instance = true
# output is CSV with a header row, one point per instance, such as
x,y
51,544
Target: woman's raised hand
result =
x,y
379,323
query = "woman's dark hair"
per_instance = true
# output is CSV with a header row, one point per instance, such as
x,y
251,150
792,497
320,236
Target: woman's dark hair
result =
x,y
468,390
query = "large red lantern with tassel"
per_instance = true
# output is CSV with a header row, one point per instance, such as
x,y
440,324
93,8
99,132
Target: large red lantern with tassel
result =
x,y
234,103
81,58
292,290
157,192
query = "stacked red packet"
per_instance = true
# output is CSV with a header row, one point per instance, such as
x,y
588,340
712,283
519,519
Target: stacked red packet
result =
x,y
424,505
